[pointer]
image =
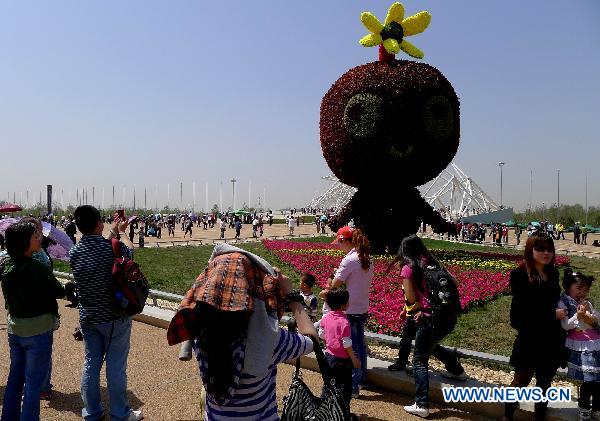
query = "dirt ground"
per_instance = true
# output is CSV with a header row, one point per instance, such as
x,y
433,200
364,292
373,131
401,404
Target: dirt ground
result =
x,y
167,389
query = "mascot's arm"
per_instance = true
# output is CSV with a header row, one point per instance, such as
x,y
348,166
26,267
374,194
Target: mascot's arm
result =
x,y
432,217
341,218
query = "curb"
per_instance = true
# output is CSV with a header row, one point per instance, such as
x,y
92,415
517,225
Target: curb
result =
x,y
378,375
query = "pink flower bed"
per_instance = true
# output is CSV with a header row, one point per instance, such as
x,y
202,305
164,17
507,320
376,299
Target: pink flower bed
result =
x,y
476,286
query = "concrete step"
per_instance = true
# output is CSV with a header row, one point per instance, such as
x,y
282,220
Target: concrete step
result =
x,y
379,376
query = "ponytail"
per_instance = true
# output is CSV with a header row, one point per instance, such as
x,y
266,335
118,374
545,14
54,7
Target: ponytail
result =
x,y
361,244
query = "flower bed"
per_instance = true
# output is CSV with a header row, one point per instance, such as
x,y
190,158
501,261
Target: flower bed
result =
x,y
482,276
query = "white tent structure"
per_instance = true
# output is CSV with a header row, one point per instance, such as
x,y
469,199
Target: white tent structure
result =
x,y
336,196
452,192
455,193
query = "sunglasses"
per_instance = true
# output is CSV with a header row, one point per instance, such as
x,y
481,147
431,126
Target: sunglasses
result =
x,y
543,249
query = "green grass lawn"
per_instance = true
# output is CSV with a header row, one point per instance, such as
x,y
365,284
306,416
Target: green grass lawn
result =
x,y
484,328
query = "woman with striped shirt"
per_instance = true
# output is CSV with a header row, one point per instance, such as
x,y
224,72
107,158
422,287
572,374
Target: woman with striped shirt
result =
x,y
238,345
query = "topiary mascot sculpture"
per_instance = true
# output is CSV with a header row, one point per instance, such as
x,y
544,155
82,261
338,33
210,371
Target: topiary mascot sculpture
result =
x,y
387,127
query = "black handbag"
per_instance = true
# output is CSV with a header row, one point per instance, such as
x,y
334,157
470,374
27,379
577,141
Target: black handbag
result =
x,y
300,404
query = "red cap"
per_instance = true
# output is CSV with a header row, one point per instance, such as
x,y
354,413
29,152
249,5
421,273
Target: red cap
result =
x,y
344,233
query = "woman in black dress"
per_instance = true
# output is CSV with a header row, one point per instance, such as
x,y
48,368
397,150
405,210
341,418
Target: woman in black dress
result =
x,y
540,344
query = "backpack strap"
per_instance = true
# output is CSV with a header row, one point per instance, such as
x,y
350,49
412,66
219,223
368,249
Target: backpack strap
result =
x,y
116,247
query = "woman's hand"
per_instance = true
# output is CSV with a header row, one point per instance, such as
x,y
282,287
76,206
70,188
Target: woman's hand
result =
x,y
355,362
120,226
418,315
561,313
402,315
285,285
323,293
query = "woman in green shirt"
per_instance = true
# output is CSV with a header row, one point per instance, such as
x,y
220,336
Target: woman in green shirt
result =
x,y
30,292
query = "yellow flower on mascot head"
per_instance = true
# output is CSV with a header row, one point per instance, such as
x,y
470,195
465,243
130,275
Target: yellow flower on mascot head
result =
x,y
391,33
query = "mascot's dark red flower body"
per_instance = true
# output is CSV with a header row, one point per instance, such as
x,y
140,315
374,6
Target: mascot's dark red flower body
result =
x,y
386,128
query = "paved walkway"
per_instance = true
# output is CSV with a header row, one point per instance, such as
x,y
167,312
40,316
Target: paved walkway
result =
x,y
167,389
207,236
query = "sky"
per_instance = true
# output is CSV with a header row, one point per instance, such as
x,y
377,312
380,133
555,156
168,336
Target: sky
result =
x,y
154,94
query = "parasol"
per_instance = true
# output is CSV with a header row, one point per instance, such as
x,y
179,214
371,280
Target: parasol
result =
x,y
60,242
10,207
5,223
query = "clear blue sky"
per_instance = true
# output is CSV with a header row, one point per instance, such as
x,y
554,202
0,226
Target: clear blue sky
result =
x,y
102,93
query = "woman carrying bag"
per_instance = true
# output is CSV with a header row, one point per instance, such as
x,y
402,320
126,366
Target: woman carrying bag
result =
x,y
232,315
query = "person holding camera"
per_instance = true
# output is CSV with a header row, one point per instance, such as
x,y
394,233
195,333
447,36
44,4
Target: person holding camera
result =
x,y
106,333
237,339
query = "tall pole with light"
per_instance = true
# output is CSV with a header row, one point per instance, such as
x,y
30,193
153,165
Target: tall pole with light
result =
x,y
586,200
543,207
501,164
233,180
530,190
558,189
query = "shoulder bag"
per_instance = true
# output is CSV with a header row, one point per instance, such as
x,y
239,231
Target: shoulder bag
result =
x,y
301,404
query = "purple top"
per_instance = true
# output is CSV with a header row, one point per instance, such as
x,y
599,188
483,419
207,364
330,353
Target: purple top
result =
x,y
422,298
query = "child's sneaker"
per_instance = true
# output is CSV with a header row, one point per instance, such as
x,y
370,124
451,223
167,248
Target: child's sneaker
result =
x,y
135,415
585,414
417,410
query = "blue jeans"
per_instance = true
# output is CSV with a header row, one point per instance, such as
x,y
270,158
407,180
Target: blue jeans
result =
x,y
357,327
29,359
341,371
96,338
427,337
46,385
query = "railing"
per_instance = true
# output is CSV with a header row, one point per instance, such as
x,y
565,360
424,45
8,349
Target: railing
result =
x,y
370,336
154,294
582,253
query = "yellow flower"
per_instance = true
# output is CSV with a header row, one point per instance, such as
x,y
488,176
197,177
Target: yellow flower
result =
x,y
391,34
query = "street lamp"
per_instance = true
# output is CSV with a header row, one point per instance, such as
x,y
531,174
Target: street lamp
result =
x,y
558,189
501,164
543,206
233,180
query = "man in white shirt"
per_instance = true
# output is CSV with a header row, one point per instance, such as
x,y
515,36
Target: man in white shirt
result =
x,y
223,226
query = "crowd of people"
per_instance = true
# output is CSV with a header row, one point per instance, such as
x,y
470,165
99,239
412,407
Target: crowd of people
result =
x,y
141,227
498,234
234,329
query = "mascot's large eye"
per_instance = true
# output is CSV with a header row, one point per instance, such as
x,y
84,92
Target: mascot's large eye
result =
x,y
438,118
363,116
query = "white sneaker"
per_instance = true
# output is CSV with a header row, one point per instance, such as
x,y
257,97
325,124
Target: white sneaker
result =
x,y
417,410
135,416
585,414
462,376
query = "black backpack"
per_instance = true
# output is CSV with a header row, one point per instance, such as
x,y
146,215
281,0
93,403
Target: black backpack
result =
x,y
443,291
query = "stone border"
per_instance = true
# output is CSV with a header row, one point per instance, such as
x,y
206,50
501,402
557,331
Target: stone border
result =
x,y
378,375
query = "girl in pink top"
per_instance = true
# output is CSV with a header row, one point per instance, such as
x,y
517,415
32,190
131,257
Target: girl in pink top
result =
x,y
335,331
413,258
